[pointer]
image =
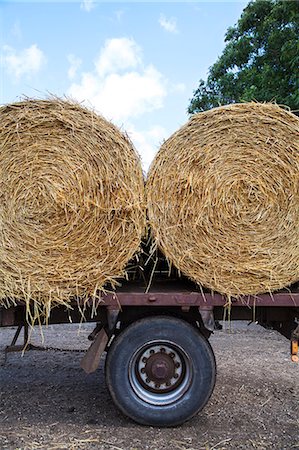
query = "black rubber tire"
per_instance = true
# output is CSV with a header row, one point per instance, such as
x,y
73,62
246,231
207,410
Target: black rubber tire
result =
x,y
202,363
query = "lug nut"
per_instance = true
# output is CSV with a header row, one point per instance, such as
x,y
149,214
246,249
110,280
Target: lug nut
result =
x,y
152,352
157,385
144,359
176,375
162,350
148,380
172,355
177,365
142,370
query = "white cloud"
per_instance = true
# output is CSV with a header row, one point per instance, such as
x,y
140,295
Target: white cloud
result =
x,y
178,87
117,55
168,25
87,5
75,64
123,88
119,14
120,86
24,62
147,142
16,30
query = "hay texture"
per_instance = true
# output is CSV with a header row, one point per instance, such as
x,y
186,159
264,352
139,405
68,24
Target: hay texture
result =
x,y
223,198
72,209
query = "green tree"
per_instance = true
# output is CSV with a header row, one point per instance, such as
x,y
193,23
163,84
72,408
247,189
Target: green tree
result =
x,y
260,60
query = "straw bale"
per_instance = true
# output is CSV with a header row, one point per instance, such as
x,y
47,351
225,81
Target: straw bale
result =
x,y
223,198
72,210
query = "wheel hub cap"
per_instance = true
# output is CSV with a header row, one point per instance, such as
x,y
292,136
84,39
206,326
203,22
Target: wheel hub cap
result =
x,y
160,368
160,372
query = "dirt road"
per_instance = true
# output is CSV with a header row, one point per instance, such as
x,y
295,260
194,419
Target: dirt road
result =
x,y
47,402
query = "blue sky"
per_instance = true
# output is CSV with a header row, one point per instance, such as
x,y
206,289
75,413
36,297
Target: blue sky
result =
x,y
137,63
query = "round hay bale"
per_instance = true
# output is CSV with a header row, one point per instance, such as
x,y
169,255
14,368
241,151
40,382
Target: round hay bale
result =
x,y
223,198
72,209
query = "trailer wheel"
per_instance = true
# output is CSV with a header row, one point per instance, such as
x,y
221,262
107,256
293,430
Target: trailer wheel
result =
x,y
160,371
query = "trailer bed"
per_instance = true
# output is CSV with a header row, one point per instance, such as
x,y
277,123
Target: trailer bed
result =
x,y
176,292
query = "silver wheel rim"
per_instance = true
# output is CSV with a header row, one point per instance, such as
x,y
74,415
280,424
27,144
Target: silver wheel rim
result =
x,y
160,372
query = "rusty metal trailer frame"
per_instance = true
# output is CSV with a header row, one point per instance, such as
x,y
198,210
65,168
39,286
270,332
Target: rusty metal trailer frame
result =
x,y
276,310
157,374
166,294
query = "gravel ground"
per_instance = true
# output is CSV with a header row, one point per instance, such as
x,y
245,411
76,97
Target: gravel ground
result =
x,y
48,402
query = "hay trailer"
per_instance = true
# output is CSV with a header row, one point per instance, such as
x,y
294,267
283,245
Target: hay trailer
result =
x,y
160,366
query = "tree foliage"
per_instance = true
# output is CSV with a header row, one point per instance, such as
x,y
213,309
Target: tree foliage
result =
x,y
260,60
